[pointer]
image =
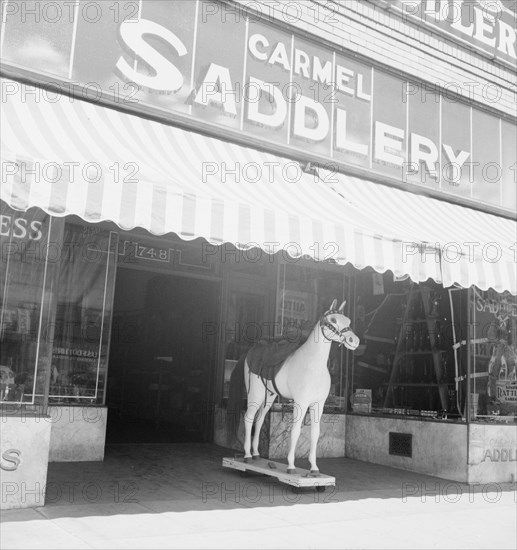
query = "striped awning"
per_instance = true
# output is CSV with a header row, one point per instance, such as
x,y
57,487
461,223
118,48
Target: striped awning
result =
x,y
72,157
472,247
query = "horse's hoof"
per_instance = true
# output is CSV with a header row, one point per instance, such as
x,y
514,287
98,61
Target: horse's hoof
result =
x,y
247,459
256,457
291,470
315,472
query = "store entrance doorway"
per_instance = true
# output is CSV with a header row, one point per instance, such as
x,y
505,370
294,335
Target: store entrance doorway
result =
x,y
162,358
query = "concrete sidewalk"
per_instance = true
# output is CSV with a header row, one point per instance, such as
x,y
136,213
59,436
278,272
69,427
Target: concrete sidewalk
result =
x,y
179,496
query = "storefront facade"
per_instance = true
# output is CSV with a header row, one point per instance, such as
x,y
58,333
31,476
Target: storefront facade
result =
x,y
166,204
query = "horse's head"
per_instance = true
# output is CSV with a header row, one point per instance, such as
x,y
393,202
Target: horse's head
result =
x,y
335,326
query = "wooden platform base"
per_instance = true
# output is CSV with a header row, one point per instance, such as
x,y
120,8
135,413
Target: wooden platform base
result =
x,y
302,478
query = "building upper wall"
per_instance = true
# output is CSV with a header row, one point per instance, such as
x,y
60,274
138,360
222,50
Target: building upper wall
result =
x,y
388,37
298,93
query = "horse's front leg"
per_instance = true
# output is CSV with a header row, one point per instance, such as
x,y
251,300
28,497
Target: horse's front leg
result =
x,y
298,416
316,411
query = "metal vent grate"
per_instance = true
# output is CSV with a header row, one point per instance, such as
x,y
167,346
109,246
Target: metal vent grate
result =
x,y
401,444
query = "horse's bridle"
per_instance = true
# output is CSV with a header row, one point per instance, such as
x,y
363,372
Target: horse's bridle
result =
x,y
325,324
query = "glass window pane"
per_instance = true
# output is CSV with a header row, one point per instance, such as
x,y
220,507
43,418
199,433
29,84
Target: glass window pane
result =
x,y
305,292
38,35
26,240
83,316
405,363
493,372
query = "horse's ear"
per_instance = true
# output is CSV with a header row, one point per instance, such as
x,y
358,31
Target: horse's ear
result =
x,y
341,308
333,305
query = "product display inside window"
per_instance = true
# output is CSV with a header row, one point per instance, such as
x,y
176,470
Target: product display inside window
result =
x,y
405,364
493,377
417,342
27,240
83,316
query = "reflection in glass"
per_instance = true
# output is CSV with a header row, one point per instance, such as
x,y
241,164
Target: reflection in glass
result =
x,y
26,278
83,316
38,36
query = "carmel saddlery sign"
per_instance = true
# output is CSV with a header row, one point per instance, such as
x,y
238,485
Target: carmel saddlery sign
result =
x,y
207,63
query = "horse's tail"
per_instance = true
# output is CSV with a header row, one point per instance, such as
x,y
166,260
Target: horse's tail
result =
x,y
234,404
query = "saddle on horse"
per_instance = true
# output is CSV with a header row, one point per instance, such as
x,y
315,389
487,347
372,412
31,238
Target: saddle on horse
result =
x,y
266,358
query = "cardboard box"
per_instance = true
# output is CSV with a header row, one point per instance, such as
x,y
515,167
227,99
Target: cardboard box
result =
x,y
362,400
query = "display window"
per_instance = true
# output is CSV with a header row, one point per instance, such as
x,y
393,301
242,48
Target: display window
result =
x,y
30,249
285,308
405,363
305,290
84,297
244,326
493,357
56,297
433,353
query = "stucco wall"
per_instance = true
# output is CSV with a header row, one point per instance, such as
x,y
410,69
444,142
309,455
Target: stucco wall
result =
x,y
439,449
492,453
474,453
331,443
276,435
78,433
24,446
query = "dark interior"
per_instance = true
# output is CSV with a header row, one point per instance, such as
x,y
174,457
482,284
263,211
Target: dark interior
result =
x,y
162,357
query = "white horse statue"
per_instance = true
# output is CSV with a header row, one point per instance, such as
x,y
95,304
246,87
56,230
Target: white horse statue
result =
x,y
302,376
